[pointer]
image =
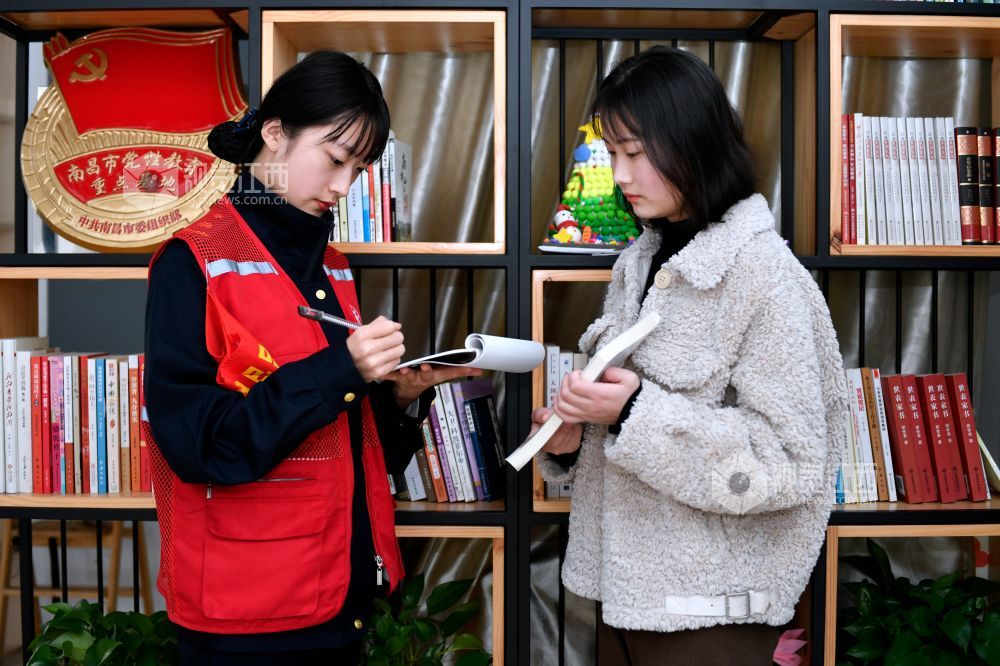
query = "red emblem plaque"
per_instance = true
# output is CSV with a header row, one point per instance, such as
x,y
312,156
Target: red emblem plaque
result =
x,y
115,155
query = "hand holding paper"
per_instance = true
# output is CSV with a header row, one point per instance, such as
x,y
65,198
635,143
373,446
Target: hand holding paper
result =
x,y
611,354
489,352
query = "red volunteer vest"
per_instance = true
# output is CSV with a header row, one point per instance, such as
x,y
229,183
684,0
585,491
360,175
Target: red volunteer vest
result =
x,y
271,555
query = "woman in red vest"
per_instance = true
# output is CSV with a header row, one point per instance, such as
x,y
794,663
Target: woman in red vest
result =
x,y
271,434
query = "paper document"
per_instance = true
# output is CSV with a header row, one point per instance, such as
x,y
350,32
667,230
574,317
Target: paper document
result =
x,y
611,354
489,352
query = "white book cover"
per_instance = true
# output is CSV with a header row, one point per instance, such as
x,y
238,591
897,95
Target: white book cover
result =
x,y
923,178
111,419
92,423
865,459
613,353
335,224
894,200
367,225
489,352
852,480
376,200
934,181
551,373
916,194
23,418
956,215
458,440
844,473
355,232
881,212
952,228
414,484
385,205
8,431
870,237
77,425
124,425
68,425
859,178
909,228
883,427
342,217
449,445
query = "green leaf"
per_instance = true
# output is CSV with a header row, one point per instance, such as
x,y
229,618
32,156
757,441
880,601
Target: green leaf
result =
x,y
866,566
412,592
986,639
474,659
382,605
447,595
395,645
884,576
921,619
425,629
75,644
867,649
458,619
104,648
900,652
958,628
143,624
945,582
43,656
466,642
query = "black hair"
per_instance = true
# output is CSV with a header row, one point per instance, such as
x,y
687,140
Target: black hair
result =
x,y
324,87
673,103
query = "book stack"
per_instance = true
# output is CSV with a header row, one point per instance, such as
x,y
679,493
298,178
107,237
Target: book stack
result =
x,y
463,453
904,182
377,207
911,438
558,364
71,421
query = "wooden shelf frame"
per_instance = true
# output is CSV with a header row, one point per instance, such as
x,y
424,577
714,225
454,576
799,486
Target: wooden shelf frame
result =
x,y
835,533
903,36
286,33
539,278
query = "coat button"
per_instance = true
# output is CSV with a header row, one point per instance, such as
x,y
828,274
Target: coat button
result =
x,y
358,624
349,397
320,294
662,279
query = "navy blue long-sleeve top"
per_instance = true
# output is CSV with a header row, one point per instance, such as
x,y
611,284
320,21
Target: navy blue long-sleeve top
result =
x,y
209,434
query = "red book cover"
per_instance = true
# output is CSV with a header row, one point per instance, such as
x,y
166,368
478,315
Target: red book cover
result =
x,y
850,236
965,428
941,437
967,145
146,484
37,484
845,206
68,425
921,445
84,427
46,430
134,424
996,183
386,203
904,455
56,440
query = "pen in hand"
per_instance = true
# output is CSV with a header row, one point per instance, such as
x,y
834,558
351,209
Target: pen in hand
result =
x,y
319,315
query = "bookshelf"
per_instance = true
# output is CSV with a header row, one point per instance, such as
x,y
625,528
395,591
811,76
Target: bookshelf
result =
x,y
914,36
526,178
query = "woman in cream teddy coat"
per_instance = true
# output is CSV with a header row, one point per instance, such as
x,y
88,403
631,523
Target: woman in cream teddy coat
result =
x,y
709,507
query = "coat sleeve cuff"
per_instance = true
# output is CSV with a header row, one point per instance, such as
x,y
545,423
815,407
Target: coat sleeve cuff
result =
x,y
337,378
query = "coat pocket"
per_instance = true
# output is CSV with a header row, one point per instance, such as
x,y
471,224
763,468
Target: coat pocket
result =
x,y
263,556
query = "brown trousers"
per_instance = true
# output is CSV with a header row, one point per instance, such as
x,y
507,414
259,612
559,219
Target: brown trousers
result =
x,y
721,645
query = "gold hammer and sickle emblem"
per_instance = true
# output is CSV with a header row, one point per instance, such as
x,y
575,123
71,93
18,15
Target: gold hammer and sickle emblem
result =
x,y
95,71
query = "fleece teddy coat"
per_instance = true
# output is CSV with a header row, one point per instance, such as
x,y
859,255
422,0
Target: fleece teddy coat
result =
x,y
722,478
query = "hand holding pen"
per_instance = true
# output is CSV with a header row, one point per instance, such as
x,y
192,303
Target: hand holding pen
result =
x,y
376,348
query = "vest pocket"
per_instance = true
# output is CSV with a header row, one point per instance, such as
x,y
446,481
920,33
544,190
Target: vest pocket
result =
x,y
262,557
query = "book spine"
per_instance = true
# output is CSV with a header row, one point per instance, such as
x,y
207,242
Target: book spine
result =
x,y
124,426
393,178
890,144
77,426
869,236
904,457
845,205
967,148
996,185
945,471
443,457
37,474
113,436
102,425
7,363
883,430
85,398
92,427
135,424
342,219
906,193
852,182
56,445
145,467
475,457
858,143
952,169
68,426
356,232
24,469
916,194
457,444
414,484
949,202
934,182
922,180
881,200
863,459
376,194
386,202
921,443
987,181
965,432
425,476
881,478
404,211
433,461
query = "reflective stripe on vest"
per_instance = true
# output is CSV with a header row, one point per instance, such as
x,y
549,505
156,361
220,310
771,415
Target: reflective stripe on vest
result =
x,y
222,266
338,274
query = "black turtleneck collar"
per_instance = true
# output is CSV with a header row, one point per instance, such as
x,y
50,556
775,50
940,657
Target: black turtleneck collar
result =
x,y
673,237
295,238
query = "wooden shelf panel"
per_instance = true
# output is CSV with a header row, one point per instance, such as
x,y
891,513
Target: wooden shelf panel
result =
x,y
888,508
45,501
73,272
125,18
449,507
895,36
915,250
421,248
386,31
675,19
451,531
551,504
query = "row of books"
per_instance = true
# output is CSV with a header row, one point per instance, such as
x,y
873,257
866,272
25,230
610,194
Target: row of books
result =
x,y
912,438
902,183
463,455
558,364
377,207
71,422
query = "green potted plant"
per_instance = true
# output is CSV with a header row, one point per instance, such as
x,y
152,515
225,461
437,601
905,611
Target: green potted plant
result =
x,y
418,634
84,635
950,620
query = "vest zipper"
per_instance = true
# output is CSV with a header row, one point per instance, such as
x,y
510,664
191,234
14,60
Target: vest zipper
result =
x,y
208,492
378,570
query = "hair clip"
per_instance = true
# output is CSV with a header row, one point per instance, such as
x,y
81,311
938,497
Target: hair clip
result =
x,y
247,122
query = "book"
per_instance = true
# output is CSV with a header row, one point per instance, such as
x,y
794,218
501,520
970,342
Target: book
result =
x,y
845,171
611,354
857,140
879,438
401,189
989,464
452,483
909,224
941,437
901,445
482,414
934,182
965,431
921,444
124,426
868,235
433,463
479,482
968,184
488,352
456,440
987,176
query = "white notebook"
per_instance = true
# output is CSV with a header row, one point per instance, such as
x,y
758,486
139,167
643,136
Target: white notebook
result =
x,y
489,352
